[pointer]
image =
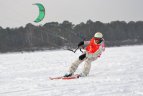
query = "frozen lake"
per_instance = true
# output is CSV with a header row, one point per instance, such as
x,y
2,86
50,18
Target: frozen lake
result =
x,y
119,72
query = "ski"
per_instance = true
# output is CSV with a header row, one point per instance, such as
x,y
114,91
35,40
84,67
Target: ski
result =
x,y
53,78
76,76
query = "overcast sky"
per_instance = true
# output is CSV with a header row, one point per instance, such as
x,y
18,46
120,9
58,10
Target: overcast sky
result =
x,y
15,13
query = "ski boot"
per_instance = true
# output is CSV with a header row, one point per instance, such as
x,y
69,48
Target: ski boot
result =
x,y
68,74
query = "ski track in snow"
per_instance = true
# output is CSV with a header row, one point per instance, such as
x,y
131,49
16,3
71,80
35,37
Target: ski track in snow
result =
x,y
119,72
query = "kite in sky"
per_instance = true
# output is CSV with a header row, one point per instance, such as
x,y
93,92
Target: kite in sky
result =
x,y
41,12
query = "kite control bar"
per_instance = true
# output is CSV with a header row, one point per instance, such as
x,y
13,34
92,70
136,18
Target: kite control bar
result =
x,y
76,49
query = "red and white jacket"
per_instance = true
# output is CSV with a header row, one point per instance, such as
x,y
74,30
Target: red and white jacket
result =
x,y
94,50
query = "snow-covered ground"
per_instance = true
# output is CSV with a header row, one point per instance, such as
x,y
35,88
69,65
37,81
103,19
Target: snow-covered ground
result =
x,y
119,72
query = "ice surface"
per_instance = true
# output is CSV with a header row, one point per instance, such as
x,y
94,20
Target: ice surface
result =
x,y
119,72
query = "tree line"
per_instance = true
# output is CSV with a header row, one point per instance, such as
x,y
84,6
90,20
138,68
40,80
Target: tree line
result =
x,y
54,35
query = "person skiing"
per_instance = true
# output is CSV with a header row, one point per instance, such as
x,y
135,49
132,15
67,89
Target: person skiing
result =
x,y
93,50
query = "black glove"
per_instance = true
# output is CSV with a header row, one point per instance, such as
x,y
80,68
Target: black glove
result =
x,y
81,43
81,57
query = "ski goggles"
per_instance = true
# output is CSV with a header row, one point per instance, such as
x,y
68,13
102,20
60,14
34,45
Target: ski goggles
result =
x,y
97,38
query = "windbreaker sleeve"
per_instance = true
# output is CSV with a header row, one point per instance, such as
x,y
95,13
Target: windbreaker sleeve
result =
x,y
103,45
86,43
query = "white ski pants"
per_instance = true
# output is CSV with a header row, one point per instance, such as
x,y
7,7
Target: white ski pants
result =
x,y
86,68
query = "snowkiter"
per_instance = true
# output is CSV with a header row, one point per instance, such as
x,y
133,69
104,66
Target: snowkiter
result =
x,y
93,50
